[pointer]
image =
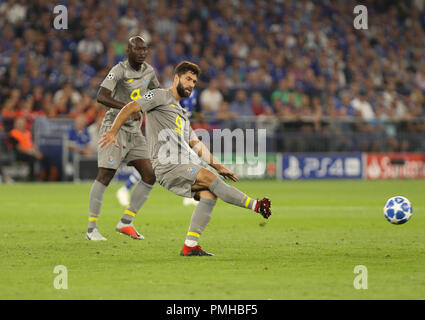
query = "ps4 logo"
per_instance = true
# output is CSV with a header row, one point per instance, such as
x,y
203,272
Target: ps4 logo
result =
x,y
321,166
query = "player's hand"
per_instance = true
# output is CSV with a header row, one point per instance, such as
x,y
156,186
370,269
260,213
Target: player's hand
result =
x,y
227,174
107,139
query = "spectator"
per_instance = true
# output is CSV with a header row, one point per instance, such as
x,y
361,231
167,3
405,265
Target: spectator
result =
x,y
258,105
68,97
417,97
210,98
167,76
37,97
363,107
223,87
199,122
278,70
4,177
346,109
177,54
288,110
21,140
15,10
120,41
10,108
400,107
130,21
224,117
285,91
25,87
66,76
420,78
48,107
26,111
367,127
385,116
89,45
86,106
79,137
94,131
278,106
268,122
241,105
299,47
80,80
165,24
309,83
390,93
306,109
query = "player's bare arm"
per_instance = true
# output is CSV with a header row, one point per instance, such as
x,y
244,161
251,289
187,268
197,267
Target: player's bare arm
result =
x,y
203,152
104,96
109,137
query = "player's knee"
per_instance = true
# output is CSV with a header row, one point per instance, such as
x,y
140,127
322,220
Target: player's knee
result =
x,y
149,178
212,196
205,177
148,175
105,176
205,194
145,170
104,180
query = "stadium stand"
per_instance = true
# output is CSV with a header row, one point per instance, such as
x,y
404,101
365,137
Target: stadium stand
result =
x,y
299,68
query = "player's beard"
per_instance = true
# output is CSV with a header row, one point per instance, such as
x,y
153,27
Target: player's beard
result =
x,y
181,91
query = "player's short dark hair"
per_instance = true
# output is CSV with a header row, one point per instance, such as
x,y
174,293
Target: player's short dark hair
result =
x,y
186,66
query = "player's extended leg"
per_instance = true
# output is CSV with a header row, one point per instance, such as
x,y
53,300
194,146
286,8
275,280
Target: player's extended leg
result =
x,y
208,180
200,218
104,177
138,197
123,193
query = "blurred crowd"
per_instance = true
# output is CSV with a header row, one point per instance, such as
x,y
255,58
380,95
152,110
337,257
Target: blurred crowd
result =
x,y
298,61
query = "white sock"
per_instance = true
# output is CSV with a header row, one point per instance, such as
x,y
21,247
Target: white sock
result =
x,y
254,204
190,243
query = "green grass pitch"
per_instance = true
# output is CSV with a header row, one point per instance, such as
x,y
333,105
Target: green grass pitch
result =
x,y
318,233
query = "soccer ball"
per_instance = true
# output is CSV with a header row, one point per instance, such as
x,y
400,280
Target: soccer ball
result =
x,y
398,210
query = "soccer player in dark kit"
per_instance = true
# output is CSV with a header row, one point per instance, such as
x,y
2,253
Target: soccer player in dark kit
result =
x,y
175,149
127,81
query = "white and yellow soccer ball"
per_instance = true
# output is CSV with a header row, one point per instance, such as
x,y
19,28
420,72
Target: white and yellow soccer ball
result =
x,y
398,210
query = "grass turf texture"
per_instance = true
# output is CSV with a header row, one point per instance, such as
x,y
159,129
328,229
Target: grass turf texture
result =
x,y
318,233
